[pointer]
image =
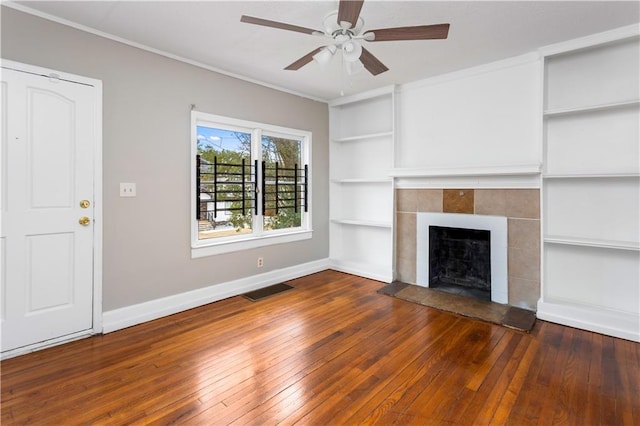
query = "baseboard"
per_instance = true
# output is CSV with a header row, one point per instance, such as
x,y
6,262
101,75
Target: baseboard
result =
x,y
128,316
373,272
605,321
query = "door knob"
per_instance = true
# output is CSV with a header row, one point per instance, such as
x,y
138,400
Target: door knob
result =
x,y
84,221
85,204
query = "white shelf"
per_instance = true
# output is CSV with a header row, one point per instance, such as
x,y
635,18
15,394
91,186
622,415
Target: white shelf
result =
x,y
368,223
591,108
363,180
490,170
587,242
363,137
592,175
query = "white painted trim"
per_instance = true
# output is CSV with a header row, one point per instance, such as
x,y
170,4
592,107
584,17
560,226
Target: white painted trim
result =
x,y
99,33
472,72
375,93
147,311
480,170
98,201
605,321
97,195
373,272
46,72
591,40
470,177
249,243
464,182
539,119
497,225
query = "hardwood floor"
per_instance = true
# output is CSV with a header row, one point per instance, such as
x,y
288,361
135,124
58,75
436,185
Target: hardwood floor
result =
x,y
330,351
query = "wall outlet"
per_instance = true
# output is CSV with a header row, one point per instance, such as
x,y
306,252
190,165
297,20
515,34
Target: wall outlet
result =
x,y
260,262
127,189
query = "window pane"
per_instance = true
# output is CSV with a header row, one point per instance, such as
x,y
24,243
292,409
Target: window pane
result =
x,y
225,207
282,195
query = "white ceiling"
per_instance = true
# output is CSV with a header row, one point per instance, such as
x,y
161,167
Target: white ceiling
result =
x,y
210,33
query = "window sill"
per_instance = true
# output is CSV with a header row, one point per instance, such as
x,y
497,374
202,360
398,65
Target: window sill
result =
x,y
212,249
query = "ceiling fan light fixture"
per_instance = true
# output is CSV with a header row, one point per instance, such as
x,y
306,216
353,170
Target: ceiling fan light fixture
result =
x,y
351,50
354,67
324,55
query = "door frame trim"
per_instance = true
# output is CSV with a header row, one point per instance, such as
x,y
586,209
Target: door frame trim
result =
x,y
97,191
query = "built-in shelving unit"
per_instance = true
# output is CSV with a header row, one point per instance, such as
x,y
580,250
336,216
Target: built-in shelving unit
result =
x,y
361,155
591,187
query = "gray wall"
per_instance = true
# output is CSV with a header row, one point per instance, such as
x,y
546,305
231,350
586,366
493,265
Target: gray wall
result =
x,y
146,132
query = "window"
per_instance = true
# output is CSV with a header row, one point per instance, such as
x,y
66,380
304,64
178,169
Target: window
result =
x,y
250,184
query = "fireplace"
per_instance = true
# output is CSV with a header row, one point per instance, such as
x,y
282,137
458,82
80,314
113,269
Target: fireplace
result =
x,y
460,261
463,253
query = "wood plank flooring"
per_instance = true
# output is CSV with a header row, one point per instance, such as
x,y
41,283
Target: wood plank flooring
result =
x,y
329,352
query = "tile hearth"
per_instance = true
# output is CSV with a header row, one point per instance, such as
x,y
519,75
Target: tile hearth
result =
x,y
509,316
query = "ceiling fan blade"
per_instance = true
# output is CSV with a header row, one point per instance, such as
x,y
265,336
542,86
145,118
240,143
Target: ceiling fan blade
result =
x,y
279,25
303,61
349,11
371,63
420,32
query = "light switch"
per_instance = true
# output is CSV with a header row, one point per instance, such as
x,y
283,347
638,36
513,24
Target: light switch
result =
x,y
127,189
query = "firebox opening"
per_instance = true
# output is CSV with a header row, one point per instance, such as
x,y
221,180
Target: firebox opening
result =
x,y
460,261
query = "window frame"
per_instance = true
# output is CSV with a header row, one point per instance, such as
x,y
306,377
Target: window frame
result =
x,y
258,237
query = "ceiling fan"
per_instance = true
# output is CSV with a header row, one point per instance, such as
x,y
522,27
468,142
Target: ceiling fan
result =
x,y
344,29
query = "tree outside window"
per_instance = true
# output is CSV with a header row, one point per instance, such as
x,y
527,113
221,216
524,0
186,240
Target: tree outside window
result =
x,y
239,197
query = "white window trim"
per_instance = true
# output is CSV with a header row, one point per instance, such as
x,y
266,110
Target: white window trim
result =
x,y
210,247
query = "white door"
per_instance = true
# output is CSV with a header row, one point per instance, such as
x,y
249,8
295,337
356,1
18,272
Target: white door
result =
x,y
47,191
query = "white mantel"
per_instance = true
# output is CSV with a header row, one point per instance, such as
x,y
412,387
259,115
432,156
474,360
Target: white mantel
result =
x,y
485,176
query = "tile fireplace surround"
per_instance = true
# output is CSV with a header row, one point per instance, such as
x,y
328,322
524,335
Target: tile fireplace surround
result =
x,y
521,207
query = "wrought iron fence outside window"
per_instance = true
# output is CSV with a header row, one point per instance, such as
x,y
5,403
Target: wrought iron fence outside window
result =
x,y
251,180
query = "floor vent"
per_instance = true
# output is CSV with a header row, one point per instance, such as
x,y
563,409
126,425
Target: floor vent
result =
x,y
266,292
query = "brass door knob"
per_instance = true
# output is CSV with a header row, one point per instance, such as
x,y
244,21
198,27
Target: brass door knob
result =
x,y
85,204
84,221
